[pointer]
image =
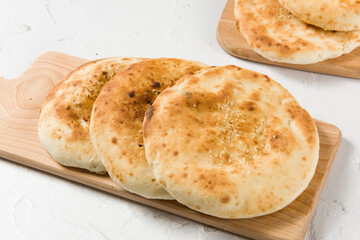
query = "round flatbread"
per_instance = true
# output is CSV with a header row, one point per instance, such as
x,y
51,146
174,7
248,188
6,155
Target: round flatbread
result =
x,y
118,114
64,120
274,33
338,15
231,143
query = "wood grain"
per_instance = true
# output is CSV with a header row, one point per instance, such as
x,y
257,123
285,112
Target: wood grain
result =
x,y
20,103
231,40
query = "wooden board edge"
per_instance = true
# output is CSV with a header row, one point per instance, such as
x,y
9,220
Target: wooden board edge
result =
x,y
129,196
71,175
162,205
48,56
335,148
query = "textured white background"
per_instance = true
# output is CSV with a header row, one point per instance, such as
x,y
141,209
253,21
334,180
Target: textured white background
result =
x,y
34,205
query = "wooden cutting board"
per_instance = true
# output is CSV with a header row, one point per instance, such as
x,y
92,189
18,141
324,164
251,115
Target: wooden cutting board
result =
x,y
20,103
231,40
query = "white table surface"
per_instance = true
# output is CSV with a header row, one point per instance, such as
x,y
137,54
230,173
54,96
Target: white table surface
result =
x,y
35,205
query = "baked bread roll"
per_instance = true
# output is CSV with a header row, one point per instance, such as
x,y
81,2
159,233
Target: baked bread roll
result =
x,y
118,114
231,143
274,33
336,15
65,115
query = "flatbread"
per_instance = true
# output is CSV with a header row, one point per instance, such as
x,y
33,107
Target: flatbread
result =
x,y
118,114
274,33
64,120
339,15
231,143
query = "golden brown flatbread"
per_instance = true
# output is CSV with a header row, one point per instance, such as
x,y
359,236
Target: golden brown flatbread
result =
x,y
337,15
231,143
116,122
274,33
64,120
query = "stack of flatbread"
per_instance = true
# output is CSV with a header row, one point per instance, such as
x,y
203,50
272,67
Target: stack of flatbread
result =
x,y
299,31
225,141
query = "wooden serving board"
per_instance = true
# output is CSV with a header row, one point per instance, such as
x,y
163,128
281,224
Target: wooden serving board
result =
x,y
231,40
20,103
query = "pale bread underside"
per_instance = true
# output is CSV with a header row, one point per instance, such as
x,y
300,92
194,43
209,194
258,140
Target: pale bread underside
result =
x,y
231,143
64,120
273,32
118,114
339,15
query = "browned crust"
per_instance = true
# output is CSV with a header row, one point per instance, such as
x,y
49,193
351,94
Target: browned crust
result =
x,y
126,99
336,15
73,98
65,117
215,131
276,34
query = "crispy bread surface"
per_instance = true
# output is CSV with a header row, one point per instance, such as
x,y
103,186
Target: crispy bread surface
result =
x,y
118,114
337,15
231,143
273,32
65,116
